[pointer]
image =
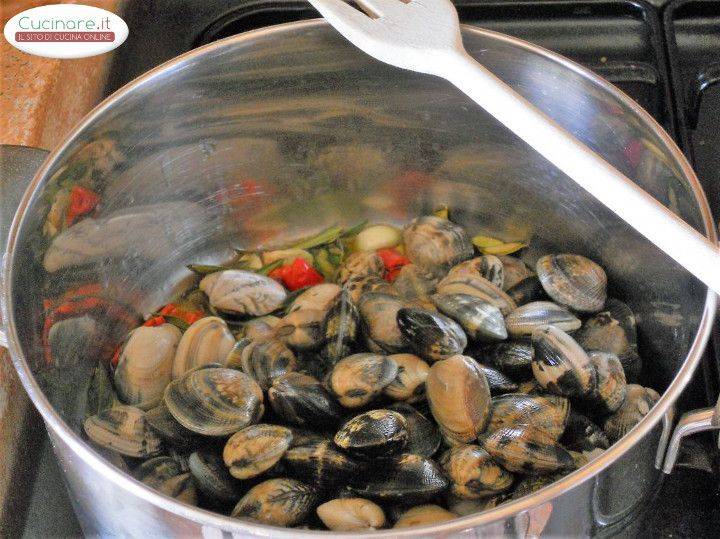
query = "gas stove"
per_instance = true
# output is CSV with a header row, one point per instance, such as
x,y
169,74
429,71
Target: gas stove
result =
x,y
664,54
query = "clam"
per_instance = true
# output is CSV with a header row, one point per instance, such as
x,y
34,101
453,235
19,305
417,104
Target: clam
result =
x,y
481,321
209,340
431,242
255,449
215,401
583,435
406,479
638,402
527,291
513,358
266,360
123,429
379,319
357,286
478,287
459,398
409,383
302,330
319,297
548,413
167,427
561,365
359,265
341,328
526,318
351,515
181,487
514,270
611,385
302,400
533,482
145,365
321,464
358,379
431,335
574,281
260,328
613,332
473,473
423,436
424,515
243,292
531,387
155,471
234,357
463,507
489,267
279,502
414,282
497,381
101,392
212,477
376,433
526,449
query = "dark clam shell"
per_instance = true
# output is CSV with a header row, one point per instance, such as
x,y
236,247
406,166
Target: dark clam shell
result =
x,y
357,286
407,479
611,385
548,413
123,429
431,335
215,401
515,270
561,365
359,265
574,281
212,478
514,358
266,360
341,328
581,434
497,381
481,321
302,400
167,427
473,472
358,379
482,289
278,502
423,435
155,471
415,283
432,242
638,402
409,384
378,314
525,319
255,449
526,291
376,433
321,464
525,449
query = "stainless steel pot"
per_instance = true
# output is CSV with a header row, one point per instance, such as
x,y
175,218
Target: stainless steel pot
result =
x,y
285,130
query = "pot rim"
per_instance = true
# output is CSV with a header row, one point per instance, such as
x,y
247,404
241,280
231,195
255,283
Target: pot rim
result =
x,y
210,519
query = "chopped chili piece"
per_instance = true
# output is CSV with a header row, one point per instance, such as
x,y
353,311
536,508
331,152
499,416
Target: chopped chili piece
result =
x,y
154,321
188,316
116,357
82,202
296,275
393,261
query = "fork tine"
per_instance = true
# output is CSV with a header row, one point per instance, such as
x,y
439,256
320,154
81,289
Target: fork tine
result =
x,y
345,18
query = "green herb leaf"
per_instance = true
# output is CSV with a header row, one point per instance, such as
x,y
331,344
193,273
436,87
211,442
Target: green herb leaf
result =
x,y
269,267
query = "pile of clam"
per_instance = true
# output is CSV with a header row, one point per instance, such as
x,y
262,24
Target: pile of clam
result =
x,y
470,380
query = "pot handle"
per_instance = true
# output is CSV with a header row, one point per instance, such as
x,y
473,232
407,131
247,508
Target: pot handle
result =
x,y
18,165
691,422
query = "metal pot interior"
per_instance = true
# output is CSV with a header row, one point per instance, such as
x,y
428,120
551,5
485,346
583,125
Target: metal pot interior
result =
x,y
262,138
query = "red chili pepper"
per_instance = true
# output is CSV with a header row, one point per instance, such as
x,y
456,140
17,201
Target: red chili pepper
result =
x,y
296,275
178,312
154,321
116,357
393,261
82,201
392,274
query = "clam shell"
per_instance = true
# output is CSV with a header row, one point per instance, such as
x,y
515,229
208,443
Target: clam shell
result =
x,y
376,433
319,297
473,472
489,267
531,483
481,321
279,502
378,313
234,357
341,328
302,330
255,449
463,507
431,335
414,282
583,435
407,479
155,471
243,292
358,379
548,413
181,487
266,360
527,290
161,421
525,319
215,401
123,429
497,381
611,385
512,358
209,340
525,449
424,515
302,400
560,365
321,464
260,328
357,286
459,398
638,402
212,477
145,365
431,242
359,265
409,383
351,514
514,270
423,435
574,281
477,287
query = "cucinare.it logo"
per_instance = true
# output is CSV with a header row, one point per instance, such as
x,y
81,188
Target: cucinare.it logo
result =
x,y
66,31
